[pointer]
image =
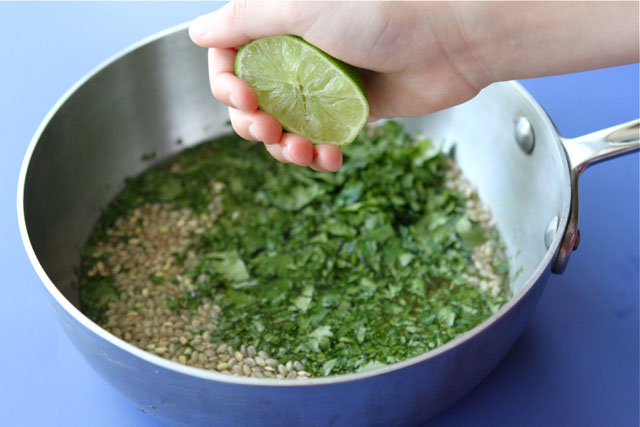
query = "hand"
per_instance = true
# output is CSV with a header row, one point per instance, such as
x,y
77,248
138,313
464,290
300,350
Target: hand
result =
x,y
416,58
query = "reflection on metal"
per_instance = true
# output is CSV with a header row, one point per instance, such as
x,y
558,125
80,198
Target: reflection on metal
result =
x,y
550,232
576,243
525,136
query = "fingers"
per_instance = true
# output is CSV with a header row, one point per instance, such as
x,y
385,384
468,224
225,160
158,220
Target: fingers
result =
x,y
225,86
327,158
285,147
234,92
256,126
239,22
297,149
300,151
292,148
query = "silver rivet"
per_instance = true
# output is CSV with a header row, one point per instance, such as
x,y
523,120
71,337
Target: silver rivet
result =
x,y
550,232
525,137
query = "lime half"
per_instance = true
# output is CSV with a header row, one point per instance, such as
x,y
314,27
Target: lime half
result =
x,y
308,91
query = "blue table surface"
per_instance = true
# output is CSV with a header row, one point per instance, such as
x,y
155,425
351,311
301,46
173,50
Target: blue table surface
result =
x,y
575,364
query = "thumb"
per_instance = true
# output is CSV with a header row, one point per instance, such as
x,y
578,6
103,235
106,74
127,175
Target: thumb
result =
x,y
240,21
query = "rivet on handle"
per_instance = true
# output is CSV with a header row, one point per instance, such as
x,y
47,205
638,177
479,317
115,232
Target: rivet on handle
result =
x,y
582,152
550,232
524,134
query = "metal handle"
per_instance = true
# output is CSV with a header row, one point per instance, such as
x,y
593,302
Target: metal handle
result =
x,y
582,153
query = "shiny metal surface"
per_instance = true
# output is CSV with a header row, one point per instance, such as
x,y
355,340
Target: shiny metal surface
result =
x,y
525,136
524,190
99,136
154,98
583,152
550,232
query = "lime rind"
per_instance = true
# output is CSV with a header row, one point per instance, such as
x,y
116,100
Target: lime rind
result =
x,y
307,90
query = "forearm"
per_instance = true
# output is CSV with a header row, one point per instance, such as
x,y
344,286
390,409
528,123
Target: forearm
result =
x,y
533,39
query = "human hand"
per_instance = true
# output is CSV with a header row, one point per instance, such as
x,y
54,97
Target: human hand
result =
x,y
383,43
416,57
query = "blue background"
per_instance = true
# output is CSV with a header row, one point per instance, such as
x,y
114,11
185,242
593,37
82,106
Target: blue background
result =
x,y
575,364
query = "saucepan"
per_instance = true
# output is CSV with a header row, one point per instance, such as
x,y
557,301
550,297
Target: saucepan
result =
x,y
154,97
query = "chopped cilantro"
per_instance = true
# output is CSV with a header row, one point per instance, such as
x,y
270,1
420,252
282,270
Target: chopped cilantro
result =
x,y
344,272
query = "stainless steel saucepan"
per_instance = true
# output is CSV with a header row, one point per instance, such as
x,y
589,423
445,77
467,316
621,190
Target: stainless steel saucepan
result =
x,y
154,97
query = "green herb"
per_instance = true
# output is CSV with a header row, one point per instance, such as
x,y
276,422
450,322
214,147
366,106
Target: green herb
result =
x,y
344,272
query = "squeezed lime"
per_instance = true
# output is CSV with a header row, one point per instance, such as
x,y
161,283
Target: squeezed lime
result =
x,y
310,92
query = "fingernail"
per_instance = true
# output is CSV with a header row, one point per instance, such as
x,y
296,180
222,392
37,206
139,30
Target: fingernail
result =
x,y
232,101
285,154
252,132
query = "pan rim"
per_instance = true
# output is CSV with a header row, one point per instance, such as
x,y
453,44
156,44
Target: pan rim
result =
x,y
202,374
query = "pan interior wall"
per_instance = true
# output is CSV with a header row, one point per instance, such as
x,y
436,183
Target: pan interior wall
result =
x,y
156,100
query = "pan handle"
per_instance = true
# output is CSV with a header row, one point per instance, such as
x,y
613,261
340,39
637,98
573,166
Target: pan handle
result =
x,y
582,152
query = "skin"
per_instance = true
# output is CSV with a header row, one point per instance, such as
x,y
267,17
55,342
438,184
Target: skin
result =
x,y
415,57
